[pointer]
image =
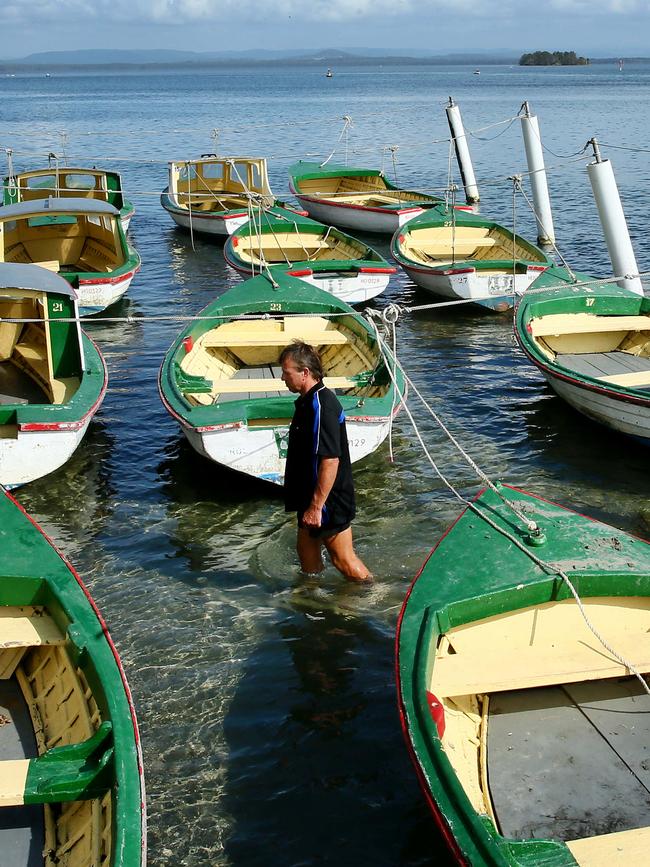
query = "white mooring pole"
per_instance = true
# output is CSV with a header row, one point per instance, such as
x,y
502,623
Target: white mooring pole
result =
x,y
610,210
462,152
537,171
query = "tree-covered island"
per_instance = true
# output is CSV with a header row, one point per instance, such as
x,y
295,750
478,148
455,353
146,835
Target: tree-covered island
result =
x,y
552,58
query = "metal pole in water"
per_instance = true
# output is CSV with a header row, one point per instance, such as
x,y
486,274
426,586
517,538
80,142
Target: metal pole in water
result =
x,y
610,211
462,152
538,182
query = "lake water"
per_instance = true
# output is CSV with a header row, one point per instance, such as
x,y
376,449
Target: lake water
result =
x,y
266,702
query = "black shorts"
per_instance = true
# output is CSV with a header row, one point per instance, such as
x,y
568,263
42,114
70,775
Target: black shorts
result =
x,y
323,532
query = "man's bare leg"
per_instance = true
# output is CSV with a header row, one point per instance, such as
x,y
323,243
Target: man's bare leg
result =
x,y
344,558
309,552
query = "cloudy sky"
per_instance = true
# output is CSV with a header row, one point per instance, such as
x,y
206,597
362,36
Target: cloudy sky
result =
x,y
590,27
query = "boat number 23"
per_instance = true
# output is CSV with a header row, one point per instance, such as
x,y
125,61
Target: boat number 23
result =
x,y
275,306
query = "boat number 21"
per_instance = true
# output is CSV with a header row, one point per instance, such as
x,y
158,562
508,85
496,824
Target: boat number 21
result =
x,y
57,307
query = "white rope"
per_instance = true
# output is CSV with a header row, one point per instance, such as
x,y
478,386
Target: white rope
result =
x,y
347,122
531,526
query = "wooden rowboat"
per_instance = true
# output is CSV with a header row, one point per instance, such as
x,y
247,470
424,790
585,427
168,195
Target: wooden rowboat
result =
x,y
529,737
69,182
318,254
71,779
214,195
355,198
52,376
81,239
592,343
221,377
463,256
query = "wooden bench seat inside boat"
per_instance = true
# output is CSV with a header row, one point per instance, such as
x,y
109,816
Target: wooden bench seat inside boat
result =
x,y
355,185
444,244
541,646
557,324
242,337
215,202
264,385
22,627
95,257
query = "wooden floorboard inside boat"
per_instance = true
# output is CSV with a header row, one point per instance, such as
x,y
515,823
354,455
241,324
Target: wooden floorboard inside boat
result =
x,y
21,828
17,387
571,761
597,364
265,371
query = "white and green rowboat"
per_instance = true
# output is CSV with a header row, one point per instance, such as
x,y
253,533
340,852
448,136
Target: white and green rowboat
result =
x,y
462,256
321,255
221,377
69,182
214,195
81,239
71,772
52,376
529,736
591,341
356,198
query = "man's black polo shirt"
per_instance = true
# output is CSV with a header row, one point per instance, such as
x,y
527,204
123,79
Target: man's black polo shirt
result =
x,y
318,431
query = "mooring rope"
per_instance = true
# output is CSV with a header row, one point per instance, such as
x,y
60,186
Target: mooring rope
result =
x,y
389,318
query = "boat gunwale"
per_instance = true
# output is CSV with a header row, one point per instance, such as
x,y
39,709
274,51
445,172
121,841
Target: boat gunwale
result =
x,y
443,790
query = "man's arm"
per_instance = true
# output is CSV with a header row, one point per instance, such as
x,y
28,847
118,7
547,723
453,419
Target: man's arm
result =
x,y
327,471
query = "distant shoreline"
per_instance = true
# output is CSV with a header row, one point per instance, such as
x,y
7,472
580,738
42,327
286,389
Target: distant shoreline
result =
x,y
9,67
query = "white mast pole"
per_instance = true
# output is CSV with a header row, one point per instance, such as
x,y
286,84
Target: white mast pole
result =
x,y
462,152
610,211
538,182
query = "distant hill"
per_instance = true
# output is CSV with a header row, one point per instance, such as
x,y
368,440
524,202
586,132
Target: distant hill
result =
x,y
171,57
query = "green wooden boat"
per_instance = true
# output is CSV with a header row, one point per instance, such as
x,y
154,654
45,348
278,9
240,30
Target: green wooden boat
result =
x,y
529,738
52,376
221,377
69,182
462,256
80,239
592,343
356,198
318,254
71,781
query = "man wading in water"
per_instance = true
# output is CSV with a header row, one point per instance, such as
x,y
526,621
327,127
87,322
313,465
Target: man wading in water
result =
x,y
318,477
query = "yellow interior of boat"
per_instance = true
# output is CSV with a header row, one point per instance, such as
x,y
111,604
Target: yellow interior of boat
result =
x,y
538,646
297,246
64,183
220,184
26,346
226,353
368,190
63,711
442,245
585,333
77,243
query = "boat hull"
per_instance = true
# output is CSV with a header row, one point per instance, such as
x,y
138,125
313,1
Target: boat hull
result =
x,y
626,416
358,217
351,286
261,453
496,291
37,453
97,294
221,224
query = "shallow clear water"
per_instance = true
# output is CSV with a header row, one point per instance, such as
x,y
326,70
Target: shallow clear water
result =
x,y
267,702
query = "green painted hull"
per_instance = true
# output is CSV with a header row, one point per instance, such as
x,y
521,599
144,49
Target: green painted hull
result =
x,y
473,573
34,573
